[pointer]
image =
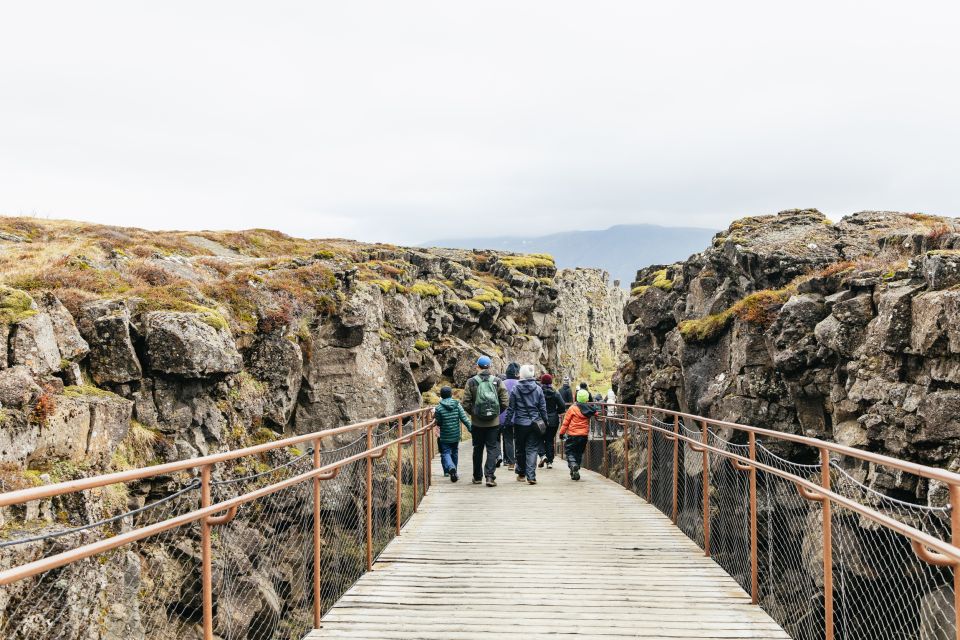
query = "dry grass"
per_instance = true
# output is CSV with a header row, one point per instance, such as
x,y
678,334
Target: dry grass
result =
x,y
759,309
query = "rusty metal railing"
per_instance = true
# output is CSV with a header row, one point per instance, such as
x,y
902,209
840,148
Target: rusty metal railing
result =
x,y
827,538
376,472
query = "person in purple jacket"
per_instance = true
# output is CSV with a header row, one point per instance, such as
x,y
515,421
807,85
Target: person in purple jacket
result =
x,y
507,430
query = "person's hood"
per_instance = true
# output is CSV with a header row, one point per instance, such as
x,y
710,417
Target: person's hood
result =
x,y
548,387
513,371
526,387
449,402
586,409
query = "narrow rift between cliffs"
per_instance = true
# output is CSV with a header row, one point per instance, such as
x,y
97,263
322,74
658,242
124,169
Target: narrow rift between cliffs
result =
x,y
127,348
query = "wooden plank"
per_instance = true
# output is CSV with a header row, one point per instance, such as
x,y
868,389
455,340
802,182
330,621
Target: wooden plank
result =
x,y
560,559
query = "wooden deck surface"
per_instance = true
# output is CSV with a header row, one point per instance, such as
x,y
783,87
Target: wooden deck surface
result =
x,y
561,559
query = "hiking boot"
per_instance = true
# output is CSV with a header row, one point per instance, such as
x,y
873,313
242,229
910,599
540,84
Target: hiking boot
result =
x,y
549,465
453,475
531,482
521,478
543,461
499,462
477,481
446,474
491,482
511,466
575,472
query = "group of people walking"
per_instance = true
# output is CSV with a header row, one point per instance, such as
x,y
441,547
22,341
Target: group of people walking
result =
x,y
515,421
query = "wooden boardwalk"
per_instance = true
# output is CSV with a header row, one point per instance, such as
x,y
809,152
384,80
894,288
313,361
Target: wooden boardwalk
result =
x,y
561,559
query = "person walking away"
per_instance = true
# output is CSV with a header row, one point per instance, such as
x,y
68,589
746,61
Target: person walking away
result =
x,y
611,399
566,392
506,429
449,415
575,430
527,405
485,398
555,408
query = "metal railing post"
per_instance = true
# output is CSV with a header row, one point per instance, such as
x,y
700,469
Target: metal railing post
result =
x,y
706,489
676,461
649,455
369,496
626,455
827,546
399,508
754,569
206,551
955,540
427,457
606,464
413,439
317,587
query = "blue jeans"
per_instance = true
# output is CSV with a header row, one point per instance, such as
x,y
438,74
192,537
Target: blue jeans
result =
x,y
449,452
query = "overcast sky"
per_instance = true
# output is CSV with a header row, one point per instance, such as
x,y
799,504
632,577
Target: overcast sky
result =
x,y
404,121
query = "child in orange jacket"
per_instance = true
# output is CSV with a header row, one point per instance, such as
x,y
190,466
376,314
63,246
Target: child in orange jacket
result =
x,y
575,431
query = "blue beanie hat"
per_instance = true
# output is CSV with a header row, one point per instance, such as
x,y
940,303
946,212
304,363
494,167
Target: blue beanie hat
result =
x,y
483,362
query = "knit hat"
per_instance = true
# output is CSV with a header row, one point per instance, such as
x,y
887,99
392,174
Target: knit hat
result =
x,y
546,379
583,395
527,372
446,392
484,362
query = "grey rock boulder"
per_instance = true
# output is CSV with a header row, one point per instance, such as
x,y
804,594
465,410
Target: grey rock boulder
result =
x,y
105,324
71,344
18,388
180,343
278,363
33,343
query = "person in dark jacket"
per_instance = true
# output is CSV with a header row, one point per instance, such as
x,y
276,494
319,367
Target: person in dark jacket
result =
x,y
566,392
506,429
484,398
555,409
527,405
449,415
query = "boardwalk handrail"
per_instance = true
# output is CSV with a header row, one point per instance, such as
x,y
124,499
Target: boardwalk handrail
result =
x,y
812,484
212,514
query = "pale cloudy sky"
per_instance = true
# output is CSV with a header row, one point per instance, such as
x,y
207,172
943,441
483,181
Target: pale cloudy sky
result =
x,y
405,120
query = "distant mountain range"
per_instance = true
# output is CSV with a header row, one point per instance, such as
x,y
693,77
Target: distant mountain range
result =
x,y
621,249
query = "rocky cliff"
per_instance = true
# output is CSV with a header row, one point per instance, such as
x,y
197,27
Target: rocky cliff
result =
x,y
126,348
210,340
842,331
845,331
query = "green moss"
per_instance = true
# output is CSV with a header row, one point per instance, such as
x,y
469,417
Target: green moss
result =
x,y
473,304
636,291
425,290
944,252
386,335
429,397
528,262
324,254
15,306
660,280
86,391
706,328
420,345
386,286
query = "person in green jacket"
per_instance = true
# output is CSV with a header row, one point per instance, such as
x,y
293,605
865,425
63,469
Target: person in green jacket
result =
x,y
449,415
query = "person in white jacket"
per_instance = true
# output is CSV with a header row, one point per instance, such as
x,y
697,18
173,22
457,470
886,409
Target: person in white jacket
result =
x,y
611,398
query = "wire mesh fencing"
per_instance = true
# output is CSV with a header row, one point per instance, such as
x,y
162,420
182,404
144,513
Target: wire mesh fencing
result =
x,y
264,582
857,579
